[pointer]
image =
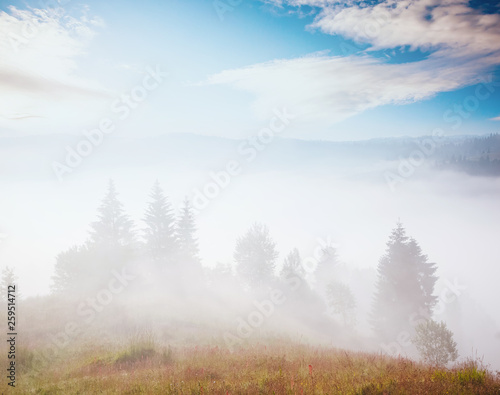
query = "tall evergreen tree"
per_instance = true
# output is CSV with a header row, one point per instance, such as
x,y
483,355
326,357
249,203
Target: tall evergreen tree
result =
x,y
159,234
186,236
85,268
114,228
405,286
303,304
255,255
326,267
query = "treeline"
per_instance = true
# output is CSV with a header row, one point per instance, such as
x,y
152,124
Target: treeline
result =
x,y
166,241
166,247
475,156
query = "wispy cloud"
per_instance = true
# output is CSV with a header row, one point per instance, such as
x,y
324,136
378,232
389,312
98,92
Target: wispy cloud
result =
x,y
332,88
449,27
23,116
464,44
38,67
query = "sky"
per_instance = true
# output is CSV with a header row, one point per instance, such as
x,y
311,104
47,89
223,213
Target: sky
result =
x,y
346,70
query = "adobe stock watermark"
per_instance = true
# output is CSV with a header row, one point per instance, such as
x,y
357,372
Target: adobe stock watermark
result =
x,y
248,150
255,319
324,250
88,310
427,147
222,7
407,166
264,309
471,103
122,108
449,294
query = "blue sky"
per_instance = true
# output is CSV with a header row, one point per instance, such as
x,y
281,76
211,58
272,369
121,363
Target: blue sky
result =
x,y
348,70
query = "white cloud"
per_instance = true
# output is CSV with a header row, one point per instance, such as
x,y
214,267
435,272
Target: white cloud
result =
x,y
38,67
495,119
312,3
464,45
332,88
446,26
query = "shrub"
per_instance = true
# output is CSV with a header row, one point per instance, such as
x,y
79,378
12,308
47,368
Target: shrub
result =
x,y
434,342
471,374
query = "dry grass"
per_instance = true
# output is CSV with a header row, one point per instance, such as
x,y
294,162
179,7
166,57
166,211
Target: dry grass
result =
x,y
281,367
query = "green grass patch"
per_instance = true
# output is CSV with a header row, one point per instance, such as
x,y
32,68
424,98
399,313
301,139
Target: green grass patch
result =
x,y
143,347
471,375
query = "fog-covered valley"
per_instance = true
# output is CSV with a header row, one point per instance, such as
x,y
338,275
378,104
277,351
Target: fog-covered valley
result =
x,y
340,198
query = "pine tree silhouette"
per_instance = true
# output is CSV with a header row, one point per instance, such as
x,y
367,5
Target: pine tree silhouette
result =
x,y
186,236
159,234
114,228
404,287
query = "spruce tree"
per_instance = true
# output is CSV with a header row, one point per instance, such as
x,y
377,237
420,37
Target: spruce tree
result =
x,y
326,267
159,234
302,303
404,287
114,228
111,246
186,236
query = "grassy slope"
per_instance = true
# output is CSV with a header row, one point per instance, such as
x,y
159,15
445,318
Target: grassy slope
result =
x,y
279,367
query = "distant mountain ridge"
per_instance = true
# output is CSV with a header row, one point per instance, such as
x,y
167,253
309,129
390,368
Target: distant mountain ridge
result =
x,y
35,155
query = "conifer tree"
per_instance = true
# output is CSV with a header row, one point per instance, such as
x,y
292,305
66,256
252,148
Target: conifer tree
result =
x,y
113,228
159,234
326,267
186,236
404,287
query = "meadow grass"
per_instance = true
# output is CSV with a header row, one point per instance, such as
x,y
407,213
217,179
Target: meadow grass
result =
x,y
142,366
